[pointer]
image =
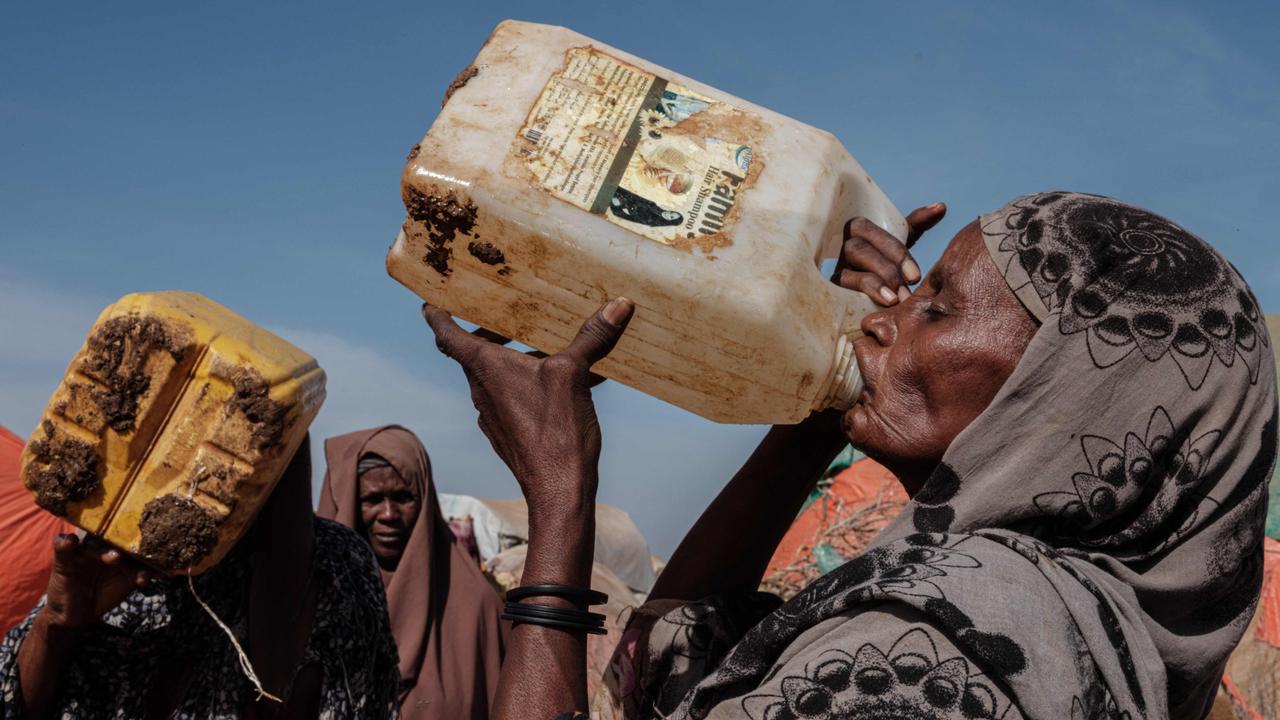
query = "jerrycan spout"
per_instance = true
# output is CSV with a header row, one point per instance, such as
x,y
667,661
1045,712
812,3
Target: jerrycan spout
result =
x,y
846,379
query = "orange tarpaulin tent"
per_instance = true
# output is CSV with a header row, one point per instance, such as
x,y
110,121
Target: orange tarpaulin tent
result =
x,y
835,527
26,538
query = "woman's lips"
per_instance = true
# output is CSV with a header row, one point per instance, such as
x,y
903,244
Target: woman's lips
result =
x,y
388,536
868,386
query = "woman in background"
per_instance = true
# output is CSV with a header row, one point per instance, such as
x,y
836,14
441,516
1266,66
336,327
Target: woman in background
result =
x,y
444,615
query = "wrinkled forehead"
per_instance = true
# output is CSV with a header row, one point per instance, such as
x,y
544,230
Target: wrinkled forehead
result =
x,y
966,266
383,478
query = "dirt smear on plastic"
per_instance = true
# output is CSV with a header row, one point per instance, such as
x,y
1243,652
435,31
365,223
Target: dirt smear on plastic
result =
x,y
486,252
177,532
265,416
437,219
66,470
463,77
116,357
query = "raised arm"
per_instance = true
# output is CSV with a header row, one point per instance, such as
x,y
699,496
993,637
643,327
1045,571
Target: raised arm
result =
x,y
538,414
88,579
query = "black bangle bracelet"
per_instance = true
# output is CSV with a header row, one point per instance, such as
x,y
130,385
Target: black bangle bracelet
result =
x,y
567,592
554,622
557,624
578,616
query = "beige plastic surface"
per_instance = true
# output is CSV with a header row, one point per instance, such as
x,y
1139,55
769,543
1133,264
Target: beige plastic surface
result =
x,y
171,427
740,327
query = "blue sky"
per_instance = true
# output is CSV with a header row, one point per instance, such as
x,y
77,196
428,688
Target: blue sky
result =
x,y
251,151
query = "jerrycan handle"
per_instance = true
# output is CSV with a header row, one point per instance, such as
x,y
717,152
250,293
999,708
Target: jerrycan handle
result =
x,y
892,222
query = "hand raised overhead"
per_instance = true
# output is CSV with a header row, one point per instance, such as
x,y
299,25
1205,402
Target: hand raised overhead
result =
x,y
537,410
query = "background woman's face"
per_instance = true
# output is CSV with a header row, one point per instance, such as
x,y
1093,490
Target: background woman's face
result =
x,y
934,362
388,509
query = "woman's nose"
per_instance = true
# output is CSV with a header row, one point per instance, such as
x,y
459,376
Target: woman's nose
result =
x,y
386,513
880,325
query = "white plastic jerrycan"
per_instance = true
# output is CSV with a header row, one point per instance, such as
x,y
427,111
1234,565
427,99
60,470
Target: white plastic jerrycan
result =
x,y
562,172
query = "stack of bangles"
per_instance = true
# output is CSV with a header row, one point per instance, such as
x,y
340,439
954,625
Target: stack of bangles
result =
x,y
553,617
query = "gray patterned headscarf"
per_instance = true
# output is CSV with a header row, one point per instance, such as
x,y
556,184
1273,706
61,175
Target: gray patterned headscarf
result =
x,y
1093,539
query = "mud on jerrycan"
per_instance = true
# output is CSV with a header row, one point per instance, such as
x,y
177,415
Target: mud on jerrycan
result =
x,y
171,427
562,172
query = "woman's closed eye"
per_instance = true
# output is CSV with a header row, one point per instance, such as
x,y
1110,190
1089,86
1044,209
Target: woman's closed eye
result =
x,y
934,307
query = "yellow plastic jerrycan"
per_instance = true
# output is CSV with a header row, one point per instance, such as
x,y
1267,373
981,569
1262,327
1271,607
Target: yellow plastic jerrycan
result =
x,y
561,172
171,427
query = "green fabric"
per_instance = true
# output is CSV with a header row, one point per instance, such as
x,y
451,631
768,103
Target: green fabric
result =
x,y
847,457
828,558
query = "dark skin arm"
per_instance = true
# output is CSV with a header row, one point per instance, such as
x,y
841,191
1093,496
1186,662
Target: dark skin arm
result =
x,y
538,414
88,579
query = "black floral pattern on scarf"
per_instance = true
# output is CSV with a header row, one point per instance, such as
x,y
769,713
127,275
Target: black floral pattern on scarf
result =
x,y
908,682
907,572
704,627
1098,705
1133,281
1135,487
933,513
882,572
110,676
1142,493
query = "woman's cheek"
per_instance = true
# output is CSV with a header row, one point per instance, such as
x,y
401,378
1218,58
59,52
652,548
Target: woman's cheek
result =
x,y
854,422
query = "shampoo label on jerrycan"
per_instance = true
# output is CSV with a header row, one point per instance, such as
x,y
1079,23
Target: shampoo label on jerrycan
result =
x,y
651,156
562,172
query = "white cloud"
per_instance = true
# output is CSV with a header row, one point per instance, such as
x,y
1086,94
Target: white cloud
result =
x,y
366,388
40,329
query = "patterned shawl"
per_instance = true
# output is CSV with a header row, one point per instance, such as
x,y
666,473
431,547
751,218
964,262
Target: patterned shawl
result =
x,y
120,658
1093,540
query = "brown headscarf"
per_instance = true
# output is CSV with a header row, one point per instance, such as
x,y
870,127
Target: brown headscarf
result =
x,y
444,615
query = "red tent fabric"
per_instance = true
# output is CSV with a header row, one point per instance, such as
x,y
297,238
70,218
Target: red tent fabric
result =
x,y
26,538
835,527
